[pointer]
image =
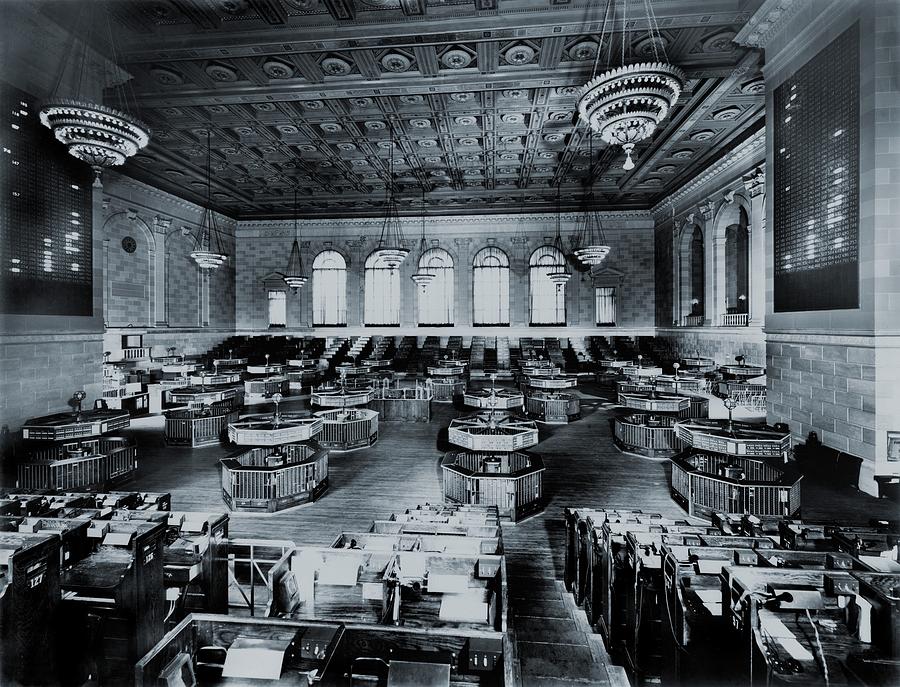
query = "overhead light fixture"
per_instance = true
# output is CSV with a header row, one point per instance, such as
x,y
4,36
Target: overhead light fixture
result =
x,y
390,244
92,132
423,276
294,275
560,276
590,239
210,253
624,105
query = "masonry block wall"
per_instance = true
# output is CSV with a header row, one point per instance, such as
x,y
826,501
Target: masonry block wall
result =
x,y
263,248
835,372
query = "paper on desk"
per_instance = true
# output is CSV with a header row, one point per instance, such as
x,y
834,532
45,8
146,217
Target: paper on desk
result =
x,y
711,567
255,658
773,627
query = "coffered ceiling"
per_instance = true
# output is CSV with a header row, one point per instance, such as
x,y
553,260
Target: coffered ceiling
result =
x,y
481,95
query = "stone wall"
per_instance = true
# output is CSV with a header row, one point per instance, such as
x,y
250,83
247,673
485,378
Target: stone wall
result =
x,y
263,248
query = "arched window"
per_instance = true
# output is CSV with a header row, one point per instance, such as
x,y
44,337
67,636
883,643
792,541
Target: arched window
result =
x,y
436,300
548,300
737,264
329,289
382,295
490,287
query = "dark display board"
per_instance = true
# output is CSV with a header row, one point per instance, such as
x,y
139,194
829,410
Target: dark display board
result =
x,y
816,187
46,233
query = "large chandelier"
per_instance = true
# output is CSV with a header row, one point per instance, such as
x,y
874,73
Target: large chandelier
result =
x,y
92,132
390,249
293,275
560,274
423,276
625,105
210,253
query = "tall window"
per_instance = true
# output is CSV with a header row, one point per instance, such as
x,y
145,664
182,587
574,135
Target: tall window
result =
x,y
490,287
606,305
329,288
436,301
382,297
698,270
548,301
277,308
737,265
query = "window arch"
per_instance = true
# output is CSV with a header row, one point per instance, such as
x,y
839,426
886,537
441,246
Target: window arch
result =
x,y
329,288
490,287
737,265
436,299
548,300
697,266
382,292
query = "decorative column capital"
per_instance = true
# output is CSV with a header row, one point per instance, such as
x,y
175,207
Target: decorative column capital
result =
x,y
755,181
161,224
707,210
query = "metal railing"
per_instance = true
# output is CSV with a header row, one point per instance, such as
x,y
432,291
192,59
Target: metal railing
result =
x,y
692,321
735,319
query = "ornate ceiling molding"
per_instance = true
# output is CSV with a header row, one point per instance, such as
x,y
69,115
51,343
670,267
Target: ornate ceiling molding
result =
x,y
768,21
755,145
626,220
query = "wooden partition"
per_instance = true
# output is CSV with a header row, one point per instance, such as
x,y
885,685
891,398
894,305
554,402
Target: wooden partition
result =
x,y
705,483
272,479
202,427
347,429
511,481
90,464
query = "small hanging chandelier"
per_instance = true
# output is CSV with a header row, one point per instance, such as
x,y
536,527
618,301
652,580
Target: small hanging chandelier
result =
x,y
92,132
561,275
626,104
210,253
422,276
390,245
293,274
591,241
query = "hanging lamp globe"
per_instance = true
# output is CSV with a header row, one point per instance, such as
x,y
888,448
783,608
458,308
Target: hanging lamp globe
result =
x,y
96,134
207,256
422,278
293,275
625,105
559,278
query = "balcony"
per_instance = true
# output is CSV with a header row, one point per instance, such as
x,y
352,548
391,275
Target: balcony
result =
x,y
692,321
735,319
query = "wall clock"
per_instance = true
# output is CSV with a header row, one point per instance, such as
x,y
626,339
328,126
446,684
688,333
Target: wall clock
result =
x,y
129,245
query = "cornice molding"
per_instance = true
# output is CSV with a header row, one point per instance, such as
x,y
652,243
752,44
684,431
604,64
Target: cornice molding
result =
x,y
767,22
755,145
170,201
412,225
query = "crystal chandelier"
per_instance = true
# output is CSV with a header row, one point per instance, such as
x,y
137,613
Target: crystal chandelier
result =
x,y
390,245
293,275
591,241
560,275
625,105
210,253
422,276
93,133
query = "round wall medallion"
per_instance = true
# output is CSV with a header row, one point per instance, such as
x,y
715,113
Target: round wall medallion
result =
x,y
666,169
335,66
519,54
427,143
582,51
287,129
276,69
682,154
514,93
455,58
166,77
313,104
395,62
221,73
330,127
264,107
553,138
468,141
129,245
727,114
719,42
651,47
361,103
512,118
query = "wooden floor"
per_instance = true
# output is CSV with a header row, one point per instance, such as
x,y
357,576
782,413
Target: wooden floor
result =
x,y
553,643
